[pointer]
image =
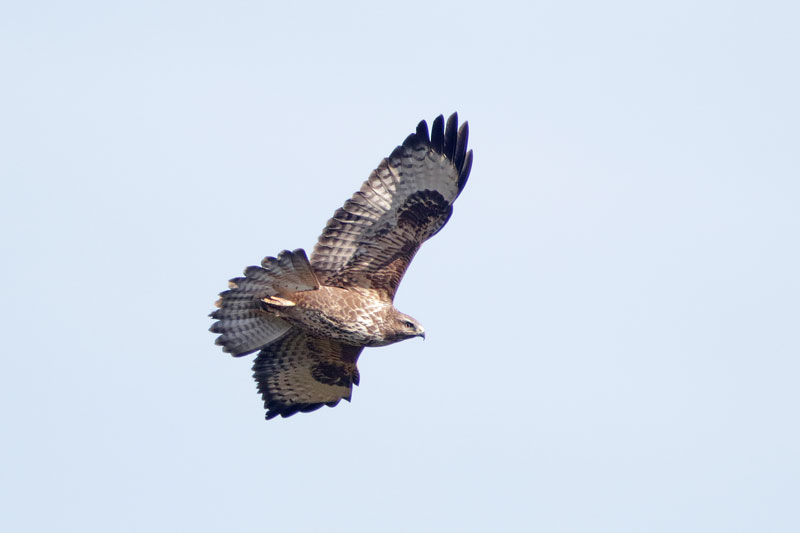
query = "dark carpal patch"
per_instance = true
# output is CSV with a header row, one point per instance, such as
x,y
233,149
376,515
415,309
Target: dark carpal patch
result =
x,y
424,213
332,374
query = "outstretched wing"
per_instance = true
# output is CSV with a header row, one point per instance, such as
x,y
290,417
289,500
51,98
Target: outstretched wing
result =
x,y
371,240
301,373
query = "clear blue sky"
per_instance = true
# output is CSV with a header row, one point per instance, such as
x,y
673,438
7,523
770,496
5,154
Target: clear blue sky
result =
x,y
612,313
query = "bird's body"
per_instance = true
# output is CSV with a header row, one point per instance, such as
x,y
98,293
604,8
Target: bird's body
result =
x,y
355,316
311,317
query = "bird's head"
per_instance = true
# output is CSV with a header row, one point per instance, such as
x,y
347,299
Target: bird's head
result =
x,y
407,327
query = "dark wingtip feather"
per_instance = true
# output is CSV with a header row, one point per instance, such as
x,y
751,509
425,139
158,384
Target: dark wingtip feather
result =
x,y
311,407
437,134
275,409
450,135
422,131
461,146
290,410
414,140
409,141
463,174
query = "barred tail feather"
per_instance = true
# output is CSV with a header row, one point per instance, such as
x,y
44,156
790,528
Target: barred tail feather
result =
x,y
241,336
243,323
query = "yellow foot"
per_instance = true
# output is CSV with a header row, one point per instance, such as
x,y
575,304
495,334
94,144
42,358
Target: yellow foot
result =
x,y
277,301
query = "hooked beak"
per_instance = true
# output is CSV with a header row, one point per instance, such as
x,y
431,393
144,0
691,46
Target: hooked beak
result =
x,y
422,335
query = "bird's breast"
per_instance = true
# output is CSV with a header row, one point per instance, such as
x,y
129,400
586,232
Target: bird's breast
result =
x,y
350,316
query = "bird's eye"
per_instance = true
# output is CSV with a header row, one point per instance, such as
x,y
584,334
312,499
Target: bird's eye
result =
x,y
409,325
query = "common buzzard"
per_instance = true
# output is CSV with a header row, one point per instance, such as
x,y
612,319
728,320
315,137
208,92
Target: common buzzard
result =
x,y
311,318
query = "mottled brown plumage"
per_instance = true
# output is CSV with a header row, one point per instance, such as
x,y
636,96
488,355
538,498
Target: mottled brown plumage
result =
x,y
311,318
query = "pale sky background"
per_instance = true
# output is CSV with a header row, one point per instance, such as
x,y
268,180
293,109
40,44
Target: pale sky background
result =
x,y
612,312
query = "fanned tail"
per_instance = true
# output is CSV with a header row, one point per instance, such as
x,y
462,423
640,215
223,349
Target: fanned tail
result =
x,y
243,322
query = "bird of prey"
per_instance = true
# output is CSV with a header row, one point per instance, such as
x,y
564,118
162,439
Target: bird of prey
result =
x,y
310,318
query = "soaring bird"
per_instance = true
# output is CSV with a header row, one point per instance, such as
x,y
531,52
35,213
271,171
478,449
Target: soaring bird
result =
x,y
310,318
